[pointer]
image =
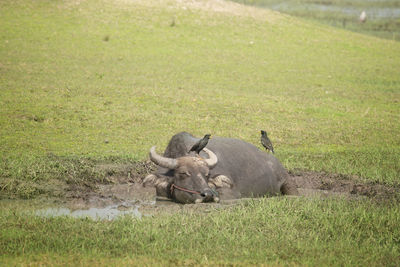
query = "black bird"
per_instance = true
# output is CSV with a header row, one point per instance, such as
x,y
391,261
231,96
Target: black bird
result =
x,y
265,141
200,144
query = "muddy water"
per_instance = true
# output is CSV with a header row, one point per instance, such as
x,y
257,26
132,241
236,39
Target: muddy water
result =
x,y
109,202
107,213
136,209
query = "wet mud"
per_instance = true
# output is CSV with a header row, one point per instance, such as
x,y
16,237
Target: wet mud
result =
x,y
328,184
125,194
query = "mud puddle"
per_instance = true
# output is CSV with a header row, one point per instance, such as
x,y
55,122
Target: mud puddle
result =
x,y
107,213
127,196
108,202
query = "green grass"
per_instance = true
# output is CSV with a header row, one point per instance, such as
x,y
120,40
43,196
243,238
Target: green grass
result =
x,y
100,80
383,16
89,82
276,231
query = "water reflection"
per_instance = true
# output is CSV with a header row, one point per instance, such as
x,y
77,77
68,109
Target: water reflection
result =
x,y
107,213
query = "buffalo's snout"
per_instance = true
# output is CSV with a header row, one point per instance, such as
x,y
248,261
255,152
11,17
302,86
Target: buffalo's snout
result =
x,y
208,195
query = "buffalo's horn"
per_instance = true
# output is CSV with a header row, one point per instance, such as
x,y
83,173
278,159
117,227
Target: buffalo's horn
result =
x,y
162,161
212,160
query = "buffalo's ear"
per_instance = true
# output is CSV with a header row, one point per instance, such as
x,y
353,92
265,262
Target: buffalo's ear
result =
x,y
150,180
159,182
220,181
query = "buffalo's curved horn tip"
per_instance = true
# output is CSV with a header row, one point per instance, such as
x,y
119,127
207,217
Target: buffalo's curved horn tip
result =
x,y
212,160
162,161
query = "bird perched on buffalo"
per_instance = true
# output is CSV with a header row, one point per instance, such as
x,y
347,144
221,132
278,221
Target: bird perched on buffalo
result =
x,y
200,144
266,142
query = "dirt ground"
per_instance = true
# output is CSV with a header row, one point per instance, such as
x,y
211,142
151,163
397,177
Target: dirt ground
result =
x,y
328,184
126,191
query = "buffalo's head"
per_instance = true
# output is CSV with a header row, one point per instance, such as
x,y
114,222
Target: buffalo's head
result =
x,y
189,180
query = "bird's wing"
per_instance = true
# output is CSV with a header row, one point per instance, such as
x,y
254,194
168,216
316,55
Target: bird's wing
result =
x,y
270,146
267,143
264,142
195,146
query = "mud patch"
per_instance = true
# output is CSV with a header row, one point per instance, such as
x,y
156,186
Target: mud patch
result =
x,y
107,195
327,184
126,185
125,194
123,183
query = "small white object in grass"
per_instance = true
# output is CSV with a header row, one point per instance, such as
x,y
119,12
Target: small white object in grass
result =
x,y
363,16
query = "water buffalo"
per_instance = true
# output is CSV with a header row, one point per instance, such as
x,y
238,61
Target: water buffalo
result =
x,y
227,168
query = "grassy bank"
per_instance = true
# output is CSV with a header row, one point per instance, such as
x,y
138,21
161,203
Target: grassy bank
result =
x,y
276,231
95,80
383,16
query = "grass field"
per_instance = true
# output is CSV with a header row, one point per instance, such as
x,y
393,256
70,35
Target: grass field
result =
x,y
96,80
274,231
83,82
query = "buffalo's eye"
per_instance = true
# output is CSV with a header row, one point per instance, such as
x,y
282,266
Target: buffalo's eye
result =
x,y
205,172
184,174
